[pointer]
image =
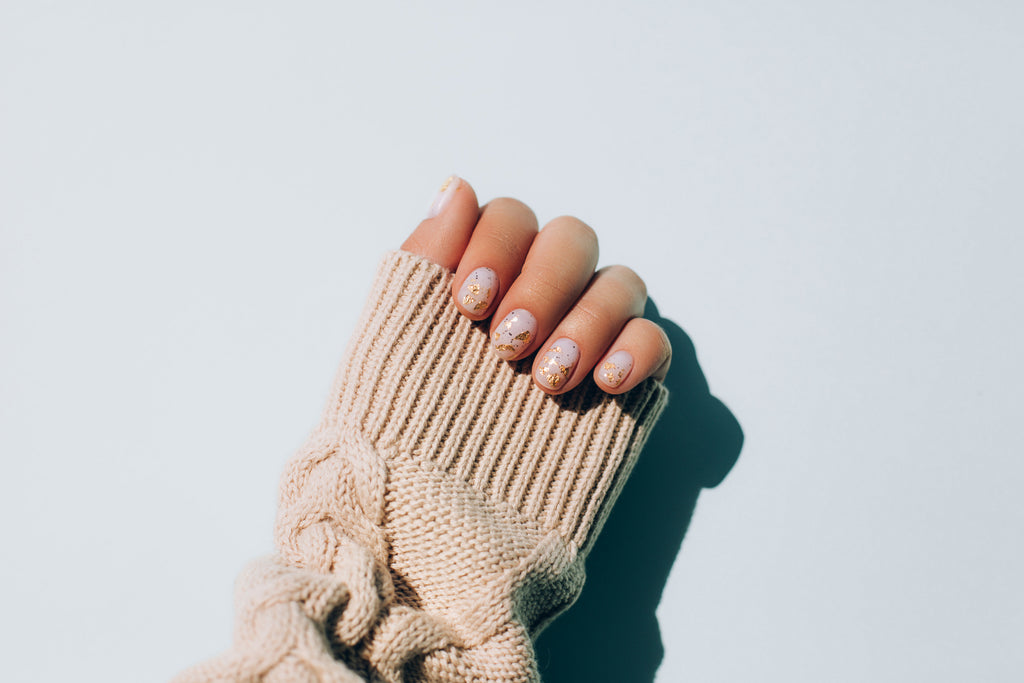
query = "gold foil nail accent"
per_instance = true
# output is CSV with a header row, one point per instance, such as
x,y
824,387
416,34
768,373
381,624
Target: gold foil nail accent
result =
x,y
513,331
471,301
611,377
552,371
477,289
551,378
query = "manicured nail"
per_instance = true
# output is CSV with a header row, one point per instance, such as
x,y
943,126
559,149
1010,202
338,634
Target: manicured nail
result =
x,y
514,332
616,368
558,363
477,290
444,196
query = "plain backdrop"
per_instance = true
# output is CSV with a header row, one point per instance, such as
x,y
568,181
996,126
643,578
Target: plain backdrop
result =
x,y
825,196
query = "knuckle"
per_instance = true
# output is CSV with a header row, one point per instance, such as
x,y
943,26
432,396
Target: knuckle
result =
x,y
589,314
655,334
512,209
505,244
575,228
628,278
549,283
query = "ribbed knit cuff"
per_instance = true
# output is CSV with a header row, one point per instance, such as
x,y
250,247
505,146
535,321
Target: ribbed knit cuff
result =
x,y
419,381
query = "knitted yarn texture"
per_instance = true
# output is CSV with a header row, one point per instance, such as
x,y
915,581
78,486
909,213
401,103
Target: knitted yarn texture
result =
x,y
439,515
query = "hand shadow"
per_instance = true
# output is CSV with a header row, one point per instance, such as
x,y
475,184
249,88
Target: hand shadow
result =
x,y
611,633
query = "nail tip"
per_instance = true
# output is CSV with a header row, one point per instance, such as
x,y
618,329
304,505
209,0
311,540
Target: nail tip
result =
x,y
443,196
514,333
616,369
477,292
502,355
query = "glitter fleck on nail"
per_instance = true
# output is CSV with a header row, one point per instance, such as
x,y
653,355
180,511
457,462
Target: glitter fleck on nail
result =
x,y
558,362
514,333
615,369
477,290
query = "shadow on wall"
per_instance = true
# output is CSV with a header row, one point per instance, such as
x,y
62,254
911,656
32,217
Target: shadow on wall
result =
x,y
611,633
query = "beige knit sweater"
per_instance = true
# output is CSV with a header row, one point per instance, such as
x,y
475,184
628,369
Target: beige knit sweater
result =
x,y
439,515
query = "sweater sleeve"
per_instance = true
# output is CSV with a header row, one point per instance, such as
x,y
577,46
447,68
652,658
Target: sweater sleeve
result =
x,y
439,515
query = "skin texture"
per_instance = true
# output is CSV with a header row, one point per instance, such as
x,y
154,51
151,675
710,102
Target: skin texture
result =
x,y
549,273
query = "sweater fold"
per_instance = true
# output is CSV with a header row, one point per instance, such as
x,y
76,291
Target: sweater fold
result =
x,y
440,514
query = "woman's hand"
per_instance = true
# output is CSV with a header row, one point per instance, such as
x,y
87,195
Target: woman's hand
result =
x,y
541,292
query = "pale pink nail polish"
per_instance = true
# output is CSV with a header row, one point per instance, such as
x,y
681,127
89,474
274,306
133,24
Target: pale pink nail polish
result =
x,y
478,290
557,364
615,369
514,333
444,196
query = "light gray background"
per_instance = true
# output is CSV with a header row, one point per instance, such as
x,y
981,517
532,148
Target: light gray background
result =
x,y
825,195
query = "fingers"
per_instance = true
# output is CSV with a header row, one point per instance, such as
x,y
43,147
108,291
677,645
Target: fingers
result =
x,y
541,292
614,296
558,267
494,256
641,350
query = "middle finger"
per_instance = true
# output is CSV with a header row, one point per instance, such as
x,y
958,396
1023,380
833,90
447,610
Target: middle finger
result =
x,y
558,267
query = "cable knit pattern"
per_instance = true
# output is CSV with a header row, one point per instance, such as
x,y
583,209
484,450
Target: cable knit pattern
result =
x,y
439,515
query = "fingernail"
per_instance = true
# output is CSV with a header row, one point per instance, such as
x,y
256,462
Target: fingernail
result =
x,y
477,290
558,363
616,368
444,196
514,332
